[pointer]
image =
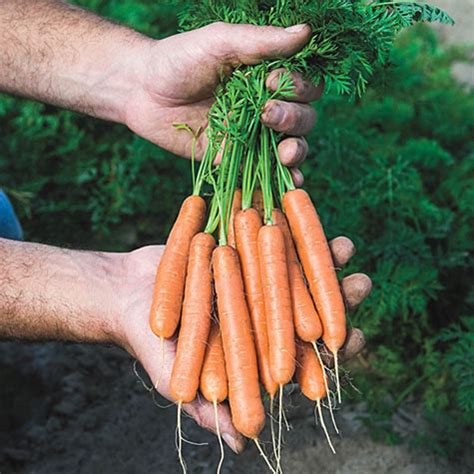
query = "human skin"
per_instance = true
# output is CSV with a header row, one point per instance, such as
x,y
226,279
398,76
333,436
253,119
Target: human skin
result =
x,y
66,56
59,54
49,293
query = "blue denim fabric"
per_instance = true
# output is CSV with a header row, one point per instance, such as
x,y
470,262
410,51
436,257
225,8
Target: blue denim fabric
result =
x,y
10,228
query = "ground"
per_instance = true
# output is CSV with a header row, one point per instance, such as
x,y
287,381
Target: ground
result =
x,y
67,408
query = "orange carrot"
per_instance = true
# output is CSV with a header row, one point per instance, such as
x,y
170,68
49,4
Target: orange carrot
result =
x,y
311,378
214,380
307,323
279,316
236,206
257,202
315,255
248,414
277,298
170,276
309,373
247,224
195,320
213,384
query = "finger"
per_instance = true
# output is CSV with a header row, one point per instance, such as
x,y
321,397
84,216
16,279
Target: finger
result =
x,y
356,288
289,117
342,249
303,90
354,344
297,176
251,44
203,413
293,151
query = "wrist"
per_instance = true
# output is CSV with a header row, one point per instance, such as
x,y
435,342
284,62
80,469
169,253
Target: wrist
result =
x,y
106,284
114,81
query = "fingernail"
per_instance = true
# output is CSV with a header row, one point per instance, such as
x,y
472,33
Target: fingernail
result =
x,y
273,115
296,28
232,443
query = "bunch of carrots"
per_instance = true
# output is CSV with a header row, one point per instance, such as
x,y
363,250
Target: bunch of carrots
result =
x,y
252,289
247,280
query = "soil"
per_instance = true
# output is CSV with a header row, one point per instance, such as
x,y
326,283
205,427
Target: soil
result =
x,y
70,408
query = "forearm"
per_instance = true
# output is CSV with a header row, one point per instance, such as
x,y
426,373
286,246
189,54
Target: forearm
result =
x,y
66,56
52,293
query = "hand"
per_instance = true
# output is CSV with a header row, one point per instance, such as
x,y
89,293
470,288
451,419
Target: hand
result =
x,y
181,73
137,338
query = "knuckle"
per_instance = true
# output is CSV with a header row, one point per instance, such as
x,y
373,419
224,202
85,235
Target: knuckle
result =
x,y
312,116
218,27
300,87
290,119
221,40
303,148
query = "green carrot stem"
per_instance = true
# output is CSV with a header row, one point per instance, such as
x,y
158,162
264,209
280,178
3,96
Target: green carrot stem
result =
x,y
266,184
284,179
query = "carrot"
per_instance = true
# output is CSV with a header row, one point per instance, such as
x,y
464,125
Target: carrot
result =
x,y
247,224
279,314
309,373
214,380
236,206
213,383
315,255
277,298
311,377
306,319
195,320
257,202
247,409
170,276
307,323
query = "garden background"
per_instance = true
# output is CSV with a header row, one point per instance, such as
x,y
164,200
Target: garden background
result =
x,y
393,171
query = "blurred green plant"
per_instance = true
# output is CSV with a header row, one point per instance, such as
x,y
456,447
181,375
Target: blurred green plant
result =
x,y
393,171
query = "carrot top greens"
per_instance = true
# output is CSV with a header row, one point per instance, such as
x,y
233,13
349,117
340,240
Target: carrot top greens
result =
x,y
350,40
350,37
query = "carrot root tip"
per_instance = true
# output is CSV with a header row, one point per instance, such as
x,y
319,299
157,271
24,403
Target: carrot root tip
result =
x,y
328,393
272,429
140,378
280,416
338,383
219,438
265,457
179,439
323,426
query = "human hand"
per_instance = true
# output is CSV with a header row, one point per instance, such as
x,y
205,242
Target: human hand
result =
x,y
179,75
139,268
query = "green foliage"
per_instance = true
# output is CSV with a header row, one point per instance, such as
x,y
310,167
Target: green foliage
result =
x,y
411,12
393,171
460,358
350,38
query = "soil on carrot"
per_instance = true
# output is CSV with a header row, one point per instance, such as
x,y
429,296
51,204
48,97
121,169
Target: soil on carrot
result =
x,y
80,409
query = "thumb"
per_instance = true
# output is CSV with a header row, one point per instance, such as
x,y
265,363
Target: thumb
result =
x,y
251,44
